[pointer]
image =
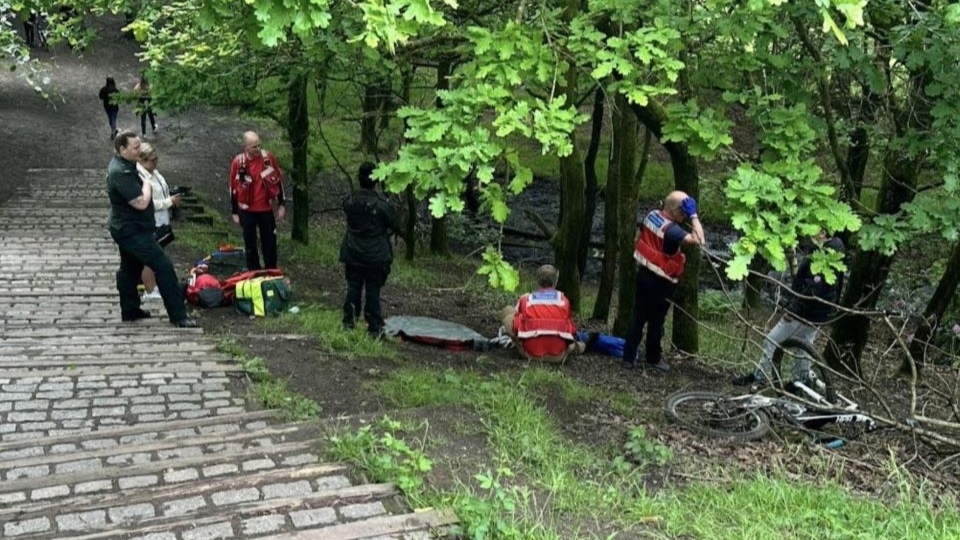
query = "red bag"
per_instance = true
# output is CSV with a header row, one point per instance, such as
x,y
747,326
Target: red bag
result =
x,y
199,282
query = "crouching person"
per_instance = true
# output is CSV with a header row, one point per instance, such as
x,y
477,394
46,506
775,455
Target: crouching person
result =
x,y
541,324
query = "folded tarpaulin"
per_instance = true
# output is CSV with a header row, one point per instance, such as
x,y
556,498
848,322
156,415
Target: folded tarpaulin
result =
x,y
446,334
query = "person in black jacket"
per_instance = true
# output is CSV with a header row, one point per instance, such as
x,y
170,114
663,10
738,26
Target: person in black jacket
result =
x,y
110,105
809,304
365,251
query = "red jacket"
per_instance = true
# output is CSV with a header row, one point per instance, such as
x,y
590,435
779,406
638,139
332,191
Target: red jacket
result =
x,y
255,190
544,323
648,250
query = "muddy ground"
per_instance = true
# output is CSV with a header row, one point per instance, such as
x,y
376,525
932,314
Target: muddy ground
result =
x,y
70,131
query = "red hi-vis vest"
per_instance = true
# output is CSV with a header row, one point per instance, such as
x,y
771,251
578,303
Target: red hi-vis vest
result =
x,y
544,313
260,185
648,250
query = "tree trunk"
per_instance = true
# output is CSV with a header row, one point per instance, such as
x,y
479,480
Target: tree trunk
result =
x,y
439,239
753,285
933,313
630,183
298,131
375,95
611,213
590,169
410,227
686,308
566,243
870,270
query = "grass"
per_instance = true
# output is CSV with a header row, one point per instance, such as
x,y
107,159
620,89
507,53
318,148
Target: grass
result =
x,y
535,476
326,325
764,508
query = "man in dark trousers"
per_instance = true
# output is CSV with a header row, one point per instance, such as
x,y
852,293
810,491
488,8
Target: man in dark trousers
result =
x,y
660,264
132,228
808,304
255,188
366,251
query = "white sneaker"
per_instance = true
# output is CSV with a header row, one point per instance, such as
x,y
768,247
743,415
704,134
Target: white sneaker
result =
x,y
152,295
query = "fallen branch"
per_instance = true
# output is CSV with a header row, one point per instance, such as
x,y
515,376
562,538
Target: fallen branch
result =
x,y
540,223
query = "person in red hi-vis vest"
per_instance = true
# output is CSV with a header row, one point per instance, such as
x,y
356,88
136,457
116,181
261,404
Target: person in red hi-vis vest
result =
x,y
660,264
256,186
541,324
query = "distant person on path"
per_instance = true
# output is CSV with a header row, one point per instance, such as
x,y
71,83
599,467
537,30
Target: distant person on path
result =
x,y
110,106
660,263
807,306
145,106
366,251
256,186
162,203
541,325
132,228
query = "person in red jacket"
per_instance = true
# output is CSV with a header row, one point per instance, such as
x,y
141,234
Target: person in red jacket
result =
x,y
660,264
541,324
256,187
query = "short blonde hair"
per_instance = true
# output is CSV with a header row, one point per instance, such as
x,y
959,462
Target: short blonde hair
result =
x,y
547,276
147,151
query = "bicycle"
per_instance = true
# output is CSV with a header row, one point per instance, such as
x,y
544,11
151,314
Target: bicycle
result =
x,y
748,417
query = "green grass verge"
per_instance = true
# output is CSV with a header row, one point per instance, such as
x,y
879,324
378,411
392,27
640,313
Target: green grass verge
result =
x,y
326,325
587,484
765,508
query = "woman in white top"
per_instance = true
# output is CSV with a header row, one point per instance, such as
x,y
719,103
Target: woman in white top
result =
x,y
162,203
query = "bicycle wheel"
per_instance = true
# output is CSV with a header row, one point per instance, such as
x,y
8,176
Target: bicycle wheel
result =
x,y
788,362
714,414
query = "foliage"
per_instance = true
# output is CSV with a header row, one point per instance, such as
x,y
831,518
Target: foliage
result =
x,y
381,452
777,205
256,368
494,514
15,55
643,451
295,407
500,274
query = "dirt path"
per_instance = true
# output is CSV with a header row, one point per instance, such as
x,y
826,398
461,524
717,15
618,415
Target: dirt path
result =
x,y
70,129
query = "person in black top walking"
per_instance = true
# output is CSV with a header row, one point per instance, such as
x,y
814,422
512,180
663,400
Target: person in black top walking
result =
x,y
110,105
365,251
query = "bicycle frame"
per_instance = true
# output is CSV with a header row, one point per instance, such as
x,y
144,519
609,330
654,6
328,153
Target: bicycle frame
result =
x,y
804,416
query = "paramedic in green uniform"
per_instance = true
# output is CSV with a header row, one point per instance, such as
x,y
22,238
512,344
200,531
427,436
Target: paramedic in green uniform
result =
x,y
365,251
132,228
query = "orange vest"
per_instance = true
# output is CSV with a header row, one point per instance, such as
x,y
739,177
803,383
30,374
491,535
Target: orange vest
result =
x,y
544,313
648,250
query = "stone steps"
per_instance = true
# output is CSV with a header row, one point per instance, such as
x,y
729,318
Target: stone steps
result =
x,y
44,401
142,430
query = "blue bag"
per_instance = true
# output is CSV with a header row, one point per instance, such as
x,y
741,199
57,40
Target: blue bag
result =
x,y
602,343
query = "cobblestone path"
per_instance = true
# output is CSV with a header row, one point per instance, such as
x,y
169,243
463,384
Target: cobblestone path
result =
x,y
141,430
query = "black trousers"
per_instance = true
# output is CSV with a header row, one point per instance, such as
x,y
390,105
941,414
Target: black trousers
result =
x,y
266,224
371,279
136,251
650,306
